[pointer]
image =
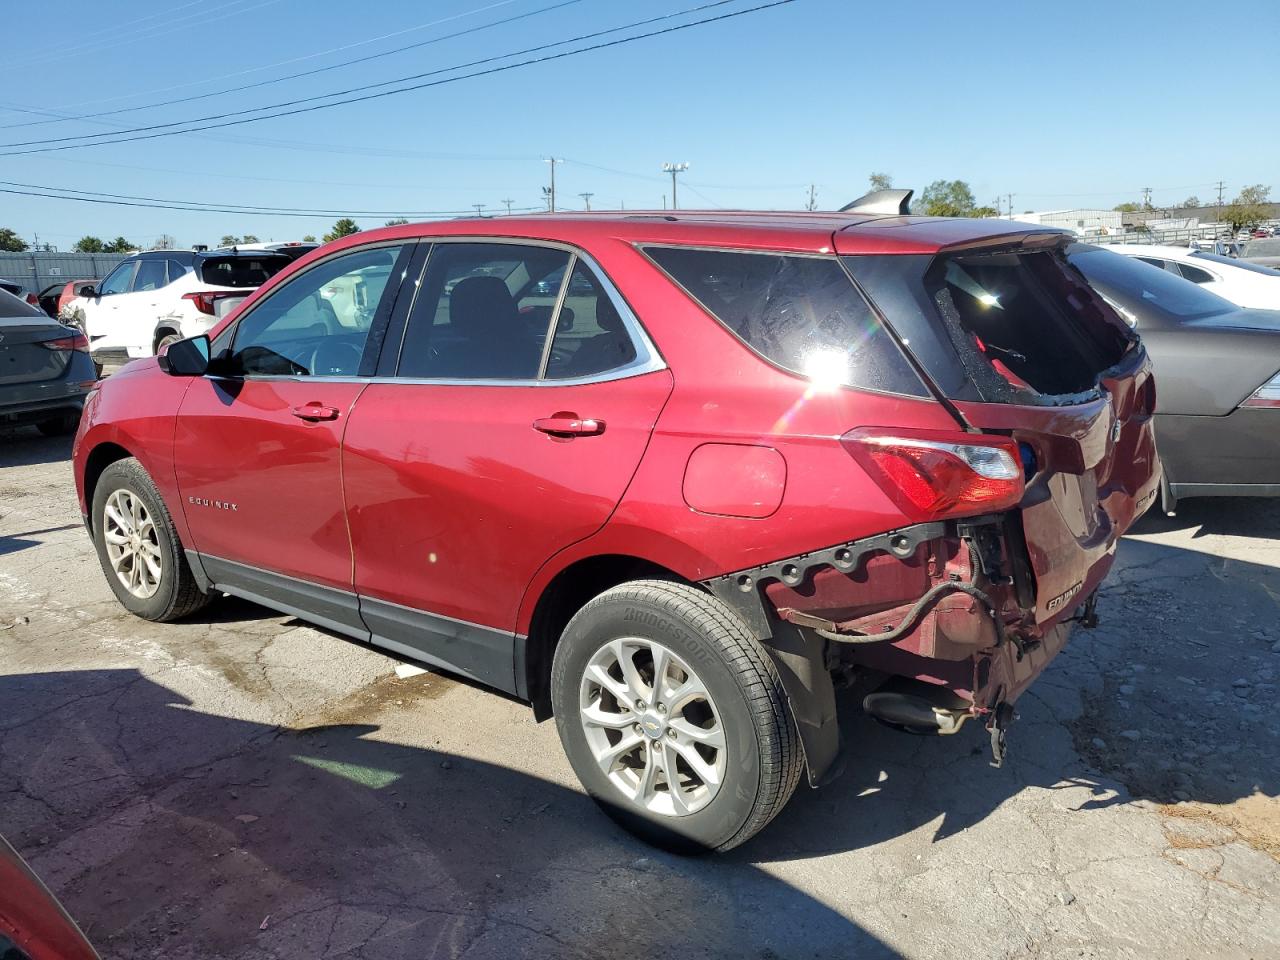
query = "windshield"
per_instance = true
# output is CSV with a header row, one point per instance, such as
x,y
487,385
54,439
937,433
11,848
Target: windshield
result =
x,y
1242,264
241,271
1140,286
1261,248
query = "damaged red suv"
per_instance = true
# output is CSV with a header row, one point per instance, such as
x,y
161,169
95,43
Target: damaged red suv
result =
x,y
669,478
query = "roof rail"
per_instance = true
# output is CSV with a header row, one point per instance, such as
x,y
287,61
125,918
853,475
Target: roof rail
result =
x,y
889,202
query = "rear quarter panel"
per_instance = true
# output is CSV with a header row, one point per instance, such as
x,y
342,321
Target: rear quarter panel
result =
x,y
725,393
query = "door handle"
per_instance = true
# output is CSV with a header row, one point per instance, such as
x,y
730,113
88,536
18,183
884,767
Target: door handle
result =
x,y
314,412
568,425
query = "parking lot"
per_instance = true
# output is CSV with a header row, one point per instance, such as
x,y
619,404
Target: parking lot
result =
x,y
241,785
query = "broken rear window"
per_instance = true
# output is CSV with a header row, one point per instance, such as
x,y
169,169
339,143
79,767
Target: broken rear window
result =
x,y
1010,326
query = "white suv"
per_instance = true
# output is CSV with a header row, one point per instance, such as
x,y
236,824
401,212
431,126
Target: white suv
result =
x,y
151,299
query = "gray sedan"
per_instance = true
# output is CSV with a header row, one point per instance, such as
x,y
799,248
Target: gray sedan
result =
x,y
1217,369
45,369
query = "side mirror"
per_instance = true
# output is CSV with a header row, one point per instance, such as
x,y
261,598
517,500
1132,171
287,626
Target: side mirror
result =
x,y
87,290
185,358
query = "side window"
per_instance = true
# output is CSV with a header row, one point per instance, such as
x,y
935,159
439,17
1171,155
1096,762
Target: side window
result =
x,y
316,324
117,280
1195,274
151,276
482,312
1155,262
176,269
801,313
590,335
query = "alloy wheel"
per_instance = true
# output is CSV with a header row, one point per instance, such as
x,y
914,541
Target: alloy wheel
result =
x,y
133,545
652,727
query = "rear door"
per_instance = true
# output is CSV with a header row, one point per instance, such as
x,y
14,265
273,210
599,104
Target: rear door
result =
x,y
514,412
1017,343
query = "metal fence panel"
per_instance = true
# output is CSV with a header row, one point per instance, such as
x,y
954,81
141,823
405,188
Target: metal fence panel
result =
x,y
39,270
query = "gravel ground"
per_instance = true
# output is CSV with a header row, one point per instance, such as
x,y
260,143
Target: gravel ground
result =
x,y
244,786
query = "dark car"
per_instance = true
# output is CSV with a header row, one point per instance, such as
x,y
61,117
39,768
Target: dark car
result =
x,y
45,369
771,450
1218,368
20,291
33,925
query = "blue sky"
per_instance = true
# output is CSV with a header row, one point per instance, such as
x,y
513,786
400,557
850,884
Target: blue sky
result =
x,y
1061,104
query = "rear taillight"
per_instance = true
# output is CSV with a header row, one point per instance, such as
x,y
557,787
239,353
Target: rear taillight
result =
x,y
204,300
931,475
77,342
1267,395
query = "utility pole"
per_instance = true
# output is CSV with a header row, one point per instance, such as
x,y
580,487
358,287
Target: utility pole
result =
x,y
479,209
552,195
1146,198
813,199
674,169
1219,201
508,203
587,198
1009,197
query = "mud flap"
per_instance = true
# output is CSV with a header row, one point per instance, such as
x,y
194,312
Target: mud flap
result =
x,y
800,658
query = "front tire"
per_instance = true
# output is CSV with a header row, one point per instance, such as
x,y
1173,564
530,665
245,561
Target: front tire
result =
x,y
674,717
138,547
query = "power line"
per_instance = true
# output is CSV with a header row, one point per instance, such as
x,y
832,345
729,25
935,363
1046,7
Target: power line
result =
x,y
386,93
58,118
152,32
124,199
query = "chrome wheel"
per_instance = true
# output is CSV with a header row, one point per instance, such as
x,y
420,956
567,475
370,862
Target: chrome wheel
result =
x,y
652,727
133,546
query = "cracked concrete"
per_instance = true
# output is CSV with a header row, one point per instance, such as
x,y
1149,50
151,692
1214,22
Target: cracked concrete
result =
x,y
244,786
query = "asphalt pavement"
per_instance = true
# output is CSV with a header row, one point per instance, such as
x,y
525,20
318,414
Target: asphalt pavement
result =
x,y
245,786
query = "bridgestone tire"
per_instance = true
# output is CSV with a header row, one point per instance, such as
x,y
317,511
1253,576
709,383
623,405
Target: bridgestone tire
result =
x,y
177,595
764,756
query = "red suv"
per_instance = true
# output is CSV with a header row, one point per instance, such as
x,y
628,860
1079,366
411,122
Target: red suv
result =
x,y
671,479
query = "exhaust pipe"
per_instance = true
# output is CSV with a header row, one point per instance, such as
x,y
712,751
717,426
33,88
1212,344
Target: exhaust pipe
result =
x,y
914,713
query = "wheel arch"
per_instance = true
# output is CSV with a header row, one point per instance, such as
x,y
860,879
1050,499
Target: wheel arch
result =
x,y
564,595
99,458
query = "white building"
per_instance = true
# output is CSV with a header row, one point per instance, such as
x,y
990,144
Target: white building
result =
x,y
1090,223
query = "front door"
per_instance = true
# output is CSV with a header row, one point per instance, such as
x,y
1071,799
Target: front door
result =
x,y
257,446
492,449
102,309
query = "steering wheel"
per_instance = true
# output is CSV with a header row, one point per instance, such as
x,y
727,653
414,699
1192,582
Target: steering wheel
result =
x,y
335,359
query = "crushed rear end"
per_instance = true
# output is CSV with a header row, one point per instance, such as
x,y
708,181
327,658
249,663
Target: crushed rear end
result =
x,y
1012,522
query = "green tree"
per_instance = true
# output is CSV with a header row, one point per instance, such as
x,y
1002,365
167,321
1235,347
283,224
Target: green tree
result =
x,y
119,245
249,238
1127,207
950,198
229,240
1191,201
398,221
984,212
309,238
10,242
343,228
89,245
1250,208
881,181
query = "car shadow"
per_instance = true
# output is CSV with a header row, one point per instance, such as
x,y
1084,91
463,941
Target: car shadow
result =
x,y
1228,516
26,446
170,831
12,543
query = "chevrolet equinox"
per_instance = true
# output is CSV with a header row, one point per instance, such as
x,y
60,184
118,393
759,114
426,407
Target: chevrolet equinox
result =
x,y
670,478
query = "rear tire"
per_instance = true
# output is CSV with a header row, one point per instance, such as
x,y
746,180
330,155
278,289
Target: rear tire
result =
x,y
138,547
732,745
59,426
165,340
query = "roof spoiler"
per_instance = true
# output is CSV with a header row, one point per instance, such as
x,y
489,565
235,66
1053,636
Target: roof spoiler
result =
x,y
890,202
